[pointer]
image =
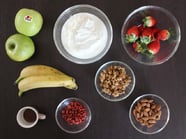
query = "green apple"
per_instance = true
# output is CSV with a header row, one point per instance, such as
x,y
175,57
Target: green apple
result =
x,y
19,47
28,21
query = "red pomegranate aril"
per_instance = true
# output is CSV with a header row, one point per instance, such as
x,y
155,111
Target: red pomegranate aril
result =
x,y
74,113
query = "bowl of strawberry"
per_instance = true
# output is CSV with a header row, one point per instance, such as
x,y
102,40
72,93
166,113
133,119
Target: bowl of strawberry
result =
x,y
150,35
73,115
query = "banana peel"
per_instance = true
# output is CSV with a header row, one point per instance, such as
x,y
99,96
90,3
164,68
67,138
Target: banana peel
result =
x,y
42,76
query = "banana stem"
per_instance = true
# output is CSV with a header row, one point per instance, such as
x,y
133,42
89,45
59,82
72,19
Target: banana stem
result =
x,y
18,80
20,93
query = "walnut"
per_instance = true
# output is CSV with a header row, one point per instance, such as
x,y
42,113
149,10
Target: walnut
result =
x,y
114,80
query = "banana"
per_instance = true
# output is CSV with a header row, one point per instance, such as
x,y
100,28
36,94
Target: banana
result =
x,y
44,81
37,70
43,76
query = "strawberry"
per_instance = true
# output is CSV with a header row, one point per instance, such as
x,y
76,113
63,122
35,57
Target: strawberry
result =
x,y
132,34
141,28
163,35
147,35
149,21
154,47
155,31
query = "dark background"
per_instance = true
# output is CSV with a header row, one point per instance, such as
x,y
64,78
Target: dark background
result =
x,y
109,119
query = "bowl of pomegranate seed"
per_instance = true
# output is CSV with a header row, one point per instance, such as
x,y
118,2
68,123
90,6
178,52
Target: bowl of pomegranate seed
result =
x,y
73,115
150,35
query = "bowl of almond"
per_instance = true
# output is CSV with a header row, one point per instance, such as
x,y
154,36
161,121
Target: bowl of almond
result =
x,y
114,81
149,114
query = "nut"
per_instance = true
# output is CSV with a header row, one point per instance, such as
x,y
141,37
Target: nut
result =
x,y
147,112
114,80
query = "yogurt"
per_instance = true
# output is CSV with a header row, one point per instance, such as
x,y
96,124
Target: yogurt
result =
x,y
84,35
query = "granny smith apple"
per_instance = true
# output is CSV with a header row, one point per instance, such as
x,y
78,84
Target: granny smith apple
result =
x,y
19,47
28,21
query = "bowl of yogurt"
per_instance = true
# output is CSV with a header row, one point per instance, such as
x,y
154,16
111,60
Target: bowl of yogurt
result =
x,y
83,34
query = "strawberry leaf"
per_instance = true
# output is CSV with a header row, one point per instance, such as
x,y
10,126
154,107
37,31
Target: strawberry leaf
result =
x,y
149,54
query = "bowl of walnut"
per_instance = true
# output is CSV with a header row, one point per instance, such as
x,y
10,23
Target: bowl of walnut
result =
x,y
114,81
149,114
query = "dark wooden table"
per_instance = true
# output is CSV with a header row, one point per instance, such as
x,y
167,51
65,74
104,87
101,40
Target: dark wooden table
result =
x,y
109,120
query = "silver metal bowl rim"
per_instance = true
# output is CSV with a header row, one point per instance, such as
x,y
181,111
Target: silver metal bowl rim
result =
x,y
150,95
